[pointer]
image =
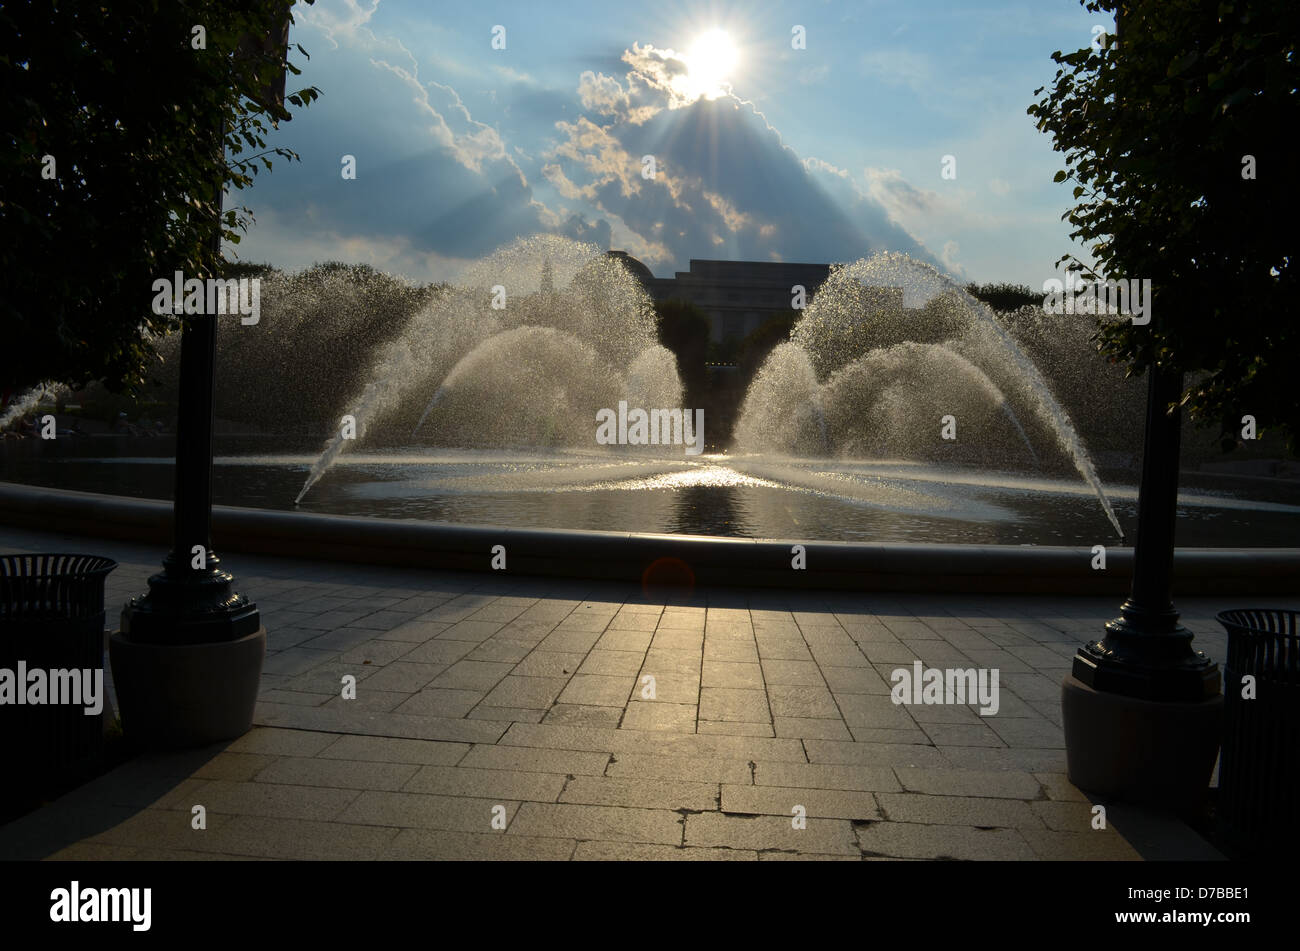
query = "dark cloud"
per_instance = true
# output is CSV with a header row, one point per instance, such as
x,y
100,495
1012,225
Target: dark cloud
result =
x,y
579,229
726,186
443,182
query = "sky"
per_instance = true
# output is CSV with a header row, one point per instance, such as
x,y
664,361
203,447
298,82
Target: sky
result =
x,y
474,124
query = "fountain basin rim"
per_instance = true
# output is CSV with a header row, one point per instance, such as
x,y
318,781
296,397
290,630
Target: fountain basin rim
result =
x,y
621,556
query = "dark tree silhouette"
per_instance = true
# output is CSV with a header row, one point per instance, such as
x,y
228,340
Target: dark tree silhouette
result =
x,y
1178,141
110,174
684,329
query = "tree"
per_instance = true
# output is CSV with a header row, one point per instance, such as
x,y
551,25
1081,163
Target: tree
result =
x,y
1005,297
763,339
112,174
1177,138
684,329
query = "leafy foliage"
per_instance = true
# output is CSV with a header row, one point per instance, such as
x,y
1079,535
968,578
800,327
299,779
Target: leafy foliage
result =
x,y
684,329
1005,297
763,339
132,116
1156,130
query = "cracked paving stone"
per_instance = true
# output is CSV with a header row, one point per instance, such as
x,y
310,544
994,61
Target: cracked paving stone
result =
x,y
641,852
641,792
912,840
829,836
959,811
817,803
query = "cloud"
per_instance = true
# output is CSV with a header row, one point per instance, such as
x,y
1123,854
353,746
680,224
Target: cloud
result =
x,y
599,155
602,94
662,71
335,20
440,181
432,180
653,84
725,184
897,195
949,258
577,227
474,143
515,76
288,246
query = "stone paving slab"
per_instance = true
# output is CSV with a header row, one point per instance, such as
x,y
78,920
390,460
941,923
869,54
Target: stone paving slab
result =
x,y
771,833
643,793
913,840
639,852
505,718
818,803
607,823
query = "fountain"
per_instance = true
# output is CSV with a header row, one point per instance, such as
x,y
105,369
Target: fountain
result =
x,y
889,351
469,413
521,353
23,403
870,372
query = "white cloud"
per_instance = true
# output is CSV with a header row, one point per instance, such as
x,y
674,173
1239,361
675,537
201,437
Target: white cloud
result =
x,y
724,177
599,154
949,258
602,94
515,76
473,143
428,170
900,197
335,18
663,70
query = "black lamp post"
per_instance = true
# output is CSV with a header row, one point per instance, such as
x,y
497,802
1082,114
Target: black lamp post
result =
x,y
1141,709
188,659
1146,653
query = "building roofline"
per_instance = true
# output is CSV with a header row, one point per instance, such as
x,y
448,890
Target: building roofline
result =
x,y
765,263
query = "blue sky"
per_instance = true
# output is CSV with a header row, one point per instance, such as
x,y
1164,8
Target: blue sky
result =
x,y
762,151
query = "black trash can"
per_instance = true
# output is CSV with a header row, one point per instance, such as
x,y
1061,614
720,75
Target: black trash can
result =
x,y
1259,767
51,636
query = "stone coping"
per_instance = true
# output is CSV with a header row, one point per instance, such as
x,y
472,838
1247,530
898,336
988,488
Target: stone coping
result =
x,y
654,559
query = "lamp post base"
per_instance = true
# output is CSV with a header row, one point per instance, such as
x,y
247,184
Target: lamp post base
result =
x,y
1147,655
1131,749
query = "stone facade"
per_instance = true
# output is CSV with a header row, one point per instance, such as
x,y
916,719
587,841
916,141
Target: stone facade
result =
x,y
737,295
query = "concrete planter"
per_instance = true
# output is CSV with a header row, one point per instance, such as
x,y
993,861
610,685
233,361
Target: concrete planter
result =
x,y
178,696
1143,751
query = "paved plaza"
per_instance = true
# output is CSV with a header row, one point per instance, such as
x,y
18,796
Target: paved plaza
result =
x,y
498,717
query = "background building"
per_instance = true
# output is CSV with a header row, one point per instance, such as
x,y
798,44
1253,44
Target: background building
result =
x,y
737,295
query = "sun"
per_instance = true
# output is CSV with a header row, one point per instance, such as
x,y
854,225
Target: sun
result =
x,y
710,61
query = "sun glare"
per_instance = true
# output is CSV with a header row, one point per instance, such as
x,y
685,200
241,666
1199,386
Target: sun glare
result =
x,y
710,63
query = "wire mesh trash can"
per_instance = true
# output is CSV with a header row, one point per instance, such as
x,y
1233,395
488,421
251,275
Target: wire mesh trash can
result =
x,y
52,654
1259,766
